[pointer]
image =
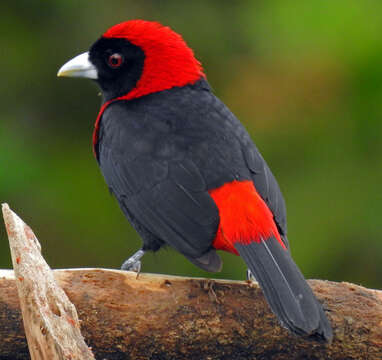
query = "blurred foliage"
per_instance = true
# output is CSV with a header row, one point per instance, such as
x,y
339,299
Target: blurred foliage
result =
x,y
304,77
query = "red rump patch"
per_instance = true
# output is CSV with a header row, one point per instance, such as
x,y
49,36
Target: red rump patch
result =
x,y
244,216
168,60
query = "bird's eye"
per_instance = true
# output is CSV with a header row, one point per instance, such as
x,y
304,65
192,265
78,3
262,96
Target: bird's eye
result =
x,y
115,60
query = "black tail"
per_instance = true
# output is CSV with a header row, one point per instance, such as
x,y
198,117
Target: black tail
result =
x,y
285,289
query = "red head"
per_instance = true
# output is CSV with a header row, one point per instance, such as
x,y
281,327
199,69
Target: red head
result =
x,y
136,58
133,59
168,60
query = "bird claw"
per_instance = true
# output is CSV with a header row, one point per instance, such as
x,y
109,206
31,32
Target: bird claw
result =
x,y
133,263
250,276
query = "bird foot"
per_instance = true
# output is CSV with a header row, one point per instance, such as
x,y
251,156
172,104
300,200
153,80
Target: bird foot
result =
x,y
129,265
133,263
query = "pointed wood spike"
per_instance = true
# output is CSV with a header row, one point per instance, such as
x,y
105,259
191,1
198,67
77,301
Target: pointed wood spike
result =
x,y
50,320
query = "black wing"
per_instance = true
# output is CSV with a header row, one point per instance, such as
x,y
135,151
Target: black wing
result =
x,y
164,152
157,186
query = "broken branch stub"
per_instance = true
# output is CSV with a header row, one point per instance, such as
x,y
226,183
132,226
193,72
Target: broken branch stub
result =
x,y
50,320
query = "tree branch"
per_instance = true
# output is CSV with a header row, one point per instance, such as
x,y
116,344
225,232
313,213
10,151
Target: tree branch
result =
x,y
167,317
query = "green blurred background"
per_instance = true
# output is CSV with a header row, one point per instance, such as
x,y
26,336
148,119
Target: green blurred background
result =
x,y
304,77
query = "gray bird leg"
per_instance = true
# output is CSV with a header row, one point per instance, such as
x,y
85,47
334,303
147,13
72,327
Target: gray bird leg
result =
x,y
133,263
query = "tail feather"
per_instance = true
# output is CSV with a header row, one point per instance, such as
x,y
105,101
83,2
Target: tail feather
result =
x,y
285,288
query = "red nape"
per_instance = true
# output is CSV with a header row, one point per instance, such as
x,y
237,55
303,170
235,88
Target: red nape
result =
x,y
168,60
244,216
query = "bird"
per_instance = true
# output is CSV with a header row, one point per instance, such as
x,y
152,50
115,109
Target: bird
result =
x,y
185,171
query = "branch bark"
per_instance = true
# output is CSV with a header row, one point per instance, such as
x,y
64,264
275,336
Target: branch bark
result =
x,y
167,317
